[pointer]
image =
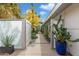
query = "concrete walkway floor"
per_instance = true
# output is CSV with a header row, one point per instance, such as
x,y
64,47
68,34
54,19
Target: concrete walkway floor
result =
x,y
46,49
38,48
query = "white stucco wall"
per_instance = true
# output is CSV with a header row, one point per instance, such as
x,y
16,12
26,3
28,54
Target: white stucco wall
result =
x,y
28,32
71,21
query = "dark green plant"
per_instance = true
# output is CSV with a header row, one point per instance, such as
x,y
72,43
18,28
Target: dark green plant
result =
x,y
42,28
33,36
61,33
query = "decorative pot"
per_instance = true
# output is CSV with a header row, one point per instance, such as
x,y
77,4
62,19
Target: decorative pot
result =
x,y
61,47
9,50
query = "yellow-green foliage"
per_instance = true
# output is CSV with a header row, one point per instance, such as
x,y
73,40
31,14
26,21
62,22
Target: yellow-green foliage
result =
x,y
33,18
9,10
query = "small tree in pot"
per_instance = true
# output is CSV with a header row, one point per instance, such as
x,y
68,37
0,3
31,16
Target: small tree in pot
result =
x,y
62,35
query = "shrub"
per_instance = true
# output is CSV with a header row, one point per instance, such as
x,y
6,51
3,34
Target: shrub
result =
x,y
33,36
44,30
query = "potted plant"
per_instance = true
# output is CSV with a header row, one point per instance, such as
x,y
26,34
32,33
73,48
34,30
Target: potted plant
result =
x,y
7,47
8,34
61,35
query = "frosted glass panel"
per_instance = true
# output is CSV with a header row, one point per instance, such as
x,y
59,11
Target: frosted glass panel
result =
x,y
12,28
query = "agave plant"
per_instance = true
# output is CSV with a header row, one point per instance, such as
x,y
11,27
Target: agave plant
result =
x,y
7,41
7,36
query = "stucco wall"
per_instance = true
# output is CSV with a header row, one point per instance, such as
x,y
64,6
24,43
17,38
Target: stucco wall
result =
x,y
28,32
71,21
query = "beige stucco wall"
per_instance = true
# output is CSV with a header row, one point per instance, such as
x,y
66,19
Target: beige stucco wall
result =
x,y
71,21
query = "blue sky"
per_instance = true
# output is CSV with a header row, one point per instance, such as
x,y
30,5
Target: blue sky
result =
x,y
42,9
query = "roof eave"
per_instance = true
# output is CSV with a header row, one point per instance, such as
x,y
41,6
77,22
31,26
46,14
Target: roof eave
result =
x,y
58,8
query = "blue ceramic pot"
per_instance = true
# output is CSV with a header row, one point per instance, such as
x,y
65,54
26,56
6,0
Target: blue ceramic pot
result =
x,y
61,47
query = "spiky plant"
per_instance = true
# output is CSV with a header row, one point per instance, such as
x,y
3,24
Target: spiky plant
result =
x,y
7,40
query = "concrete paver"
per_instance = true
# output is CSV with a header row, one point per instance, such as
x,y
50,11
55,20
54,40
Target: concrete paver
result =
x,y
46,49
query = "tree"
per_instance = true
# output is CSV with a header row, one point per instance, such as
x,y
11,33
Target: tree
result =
x,y
32,17
9,10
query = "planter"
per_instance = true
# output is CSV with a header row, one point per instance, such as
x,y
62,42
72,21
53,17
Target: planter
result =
x,y
9,50
61,47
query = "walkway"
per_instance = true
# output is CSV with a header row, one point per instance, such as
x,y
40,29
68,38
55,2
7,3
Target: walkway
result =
x,y
46,49
39,48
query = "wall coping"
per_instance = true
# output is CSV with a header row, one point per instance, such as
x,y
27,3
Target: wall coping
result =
x,y
28,22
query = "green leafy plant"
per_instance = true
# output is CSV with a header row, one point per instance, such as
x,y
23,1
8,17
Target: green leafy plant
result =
x,y
61,33
33,36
